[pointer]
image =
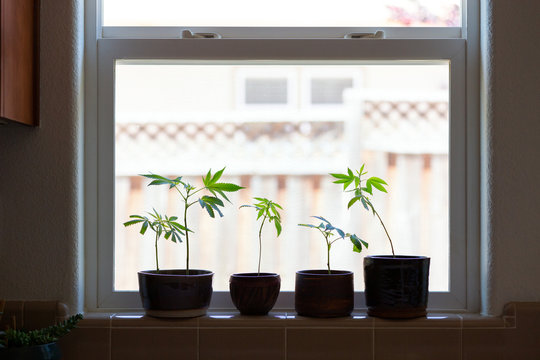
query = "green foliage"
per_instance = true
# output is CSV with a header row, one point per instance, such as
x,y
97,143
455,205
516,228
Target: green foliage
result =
x,y
363,191
20,338
329,231
268,210
160,225
212,202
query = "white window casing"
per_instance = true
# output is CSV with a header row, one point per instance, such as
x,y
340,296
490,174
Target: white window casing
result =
x,y
104,46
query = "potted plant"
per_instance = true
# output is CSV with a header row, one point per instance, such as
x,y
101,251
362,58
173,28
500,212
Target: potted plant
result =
x,y
395,286
256,293
326,293
180,292
39,344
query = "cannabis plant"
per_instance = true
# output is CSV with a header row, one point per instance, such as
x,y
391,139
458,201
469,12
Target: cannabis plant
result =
x,y
266,209
332,234
362,192
160,225
212,201
13,337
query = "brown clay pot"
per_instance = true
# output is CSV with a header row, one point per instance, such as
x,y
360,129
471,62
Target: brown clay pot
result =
x,y
396,287
320,294
254,294
173,293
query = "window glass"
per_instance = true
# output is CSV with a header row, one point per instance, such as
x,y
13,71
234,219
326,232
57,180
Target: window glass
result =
x,y
282,13
182,119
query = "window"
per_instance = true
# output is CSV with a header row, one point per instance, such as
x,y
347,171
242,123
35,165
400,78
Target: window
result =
x,y
281,113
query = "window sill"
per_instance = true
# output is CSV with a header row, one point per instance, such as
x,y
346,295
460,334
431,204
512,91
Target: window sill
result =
x,y
358,319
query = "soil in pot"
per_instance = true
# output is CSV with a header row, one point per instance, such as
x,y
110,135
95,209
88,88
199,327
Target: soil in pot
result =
x,y
254,294
396,287
320,294
173,293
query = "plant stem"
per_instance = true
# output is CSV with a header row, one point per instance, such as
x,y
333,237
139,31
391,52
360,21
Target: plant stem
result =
x,y
260,246
386,231
328,245
187,234
157,261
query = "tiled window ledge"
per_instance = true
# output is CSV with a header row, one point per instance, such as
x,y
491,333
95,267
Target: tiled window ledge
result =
x,y
286,336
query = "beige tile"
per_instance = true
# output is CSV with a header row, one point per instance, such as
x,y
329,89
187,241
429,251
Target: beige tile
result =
x,y
479,321
228,319
141,320
442,321
13,314
409,344
325,344
356,320
86,344
241,344
40,314
488,344
149,343
92,320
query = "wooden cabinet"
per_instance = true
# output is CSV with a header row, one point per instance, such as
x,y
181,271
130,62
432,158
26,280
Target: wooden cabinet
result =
x,y
19,61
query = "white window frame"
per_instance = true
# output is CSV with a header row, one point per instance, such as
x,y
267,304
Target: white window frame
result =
x,y
267,45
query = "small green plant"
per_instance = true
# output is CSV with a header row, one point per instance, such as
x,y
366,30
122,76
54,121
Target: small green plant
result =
x,y
211,203
13,337
327,231
160,225
266,209
362,192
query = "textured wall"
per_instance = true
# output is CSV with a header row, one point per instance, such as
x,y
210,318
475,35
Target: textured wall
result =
x,y
511,243
40,208
39,180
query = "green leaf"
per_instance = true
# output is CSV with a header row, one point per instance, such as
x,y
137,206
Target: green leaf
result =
x,y
357,246
349,171
340,176
277,224
321,218
132,222
352,201
363,200
378,180
309,226
228,187
378,186
217,176
144,227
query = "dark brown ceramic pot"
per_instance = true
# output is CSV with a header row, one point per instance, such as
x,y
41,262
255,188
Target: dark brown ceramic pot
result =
x,y
173,293
49,351
254,294
320,294
396,287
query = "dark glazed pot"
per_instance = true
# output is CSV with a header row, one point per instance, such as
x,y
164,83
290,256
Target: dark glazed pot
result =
x,y
396,287
320,294
172,293
252,294
49,351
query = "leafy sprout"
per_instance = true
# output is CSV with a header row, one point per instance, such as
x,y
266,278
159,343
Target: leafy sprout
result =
x,y
362,192
329,231
13,337
160,225
212,201
268,210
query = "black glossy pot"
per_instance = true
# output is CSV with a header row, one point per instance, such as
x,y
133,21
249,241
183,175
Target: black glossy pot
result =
x,y
254,294
49,351
173,293
396,287
320,294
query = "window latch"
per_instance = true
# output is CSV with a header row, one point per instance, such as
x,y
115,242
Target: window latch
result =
x,y
376,35
188,34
